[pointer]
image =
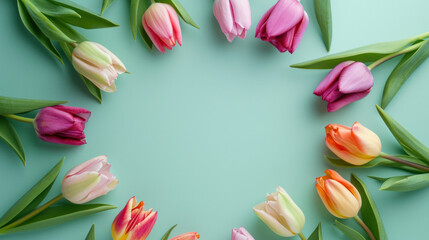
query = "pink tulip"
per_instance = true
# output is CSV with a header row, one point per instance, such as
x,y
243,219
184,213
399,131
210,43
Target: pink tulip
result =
x,y
234,17
62,124
187,236
161,23
133,222
283,25
88,181
347,82
241,234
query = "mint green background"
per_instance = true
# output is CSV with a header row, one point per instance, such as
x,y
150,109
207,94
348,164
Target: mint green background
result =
x,y
203,132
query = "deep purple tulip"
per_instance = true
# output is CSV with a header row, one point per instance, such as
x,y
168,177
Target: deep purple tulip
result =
x,y
62,124
348,82
283,25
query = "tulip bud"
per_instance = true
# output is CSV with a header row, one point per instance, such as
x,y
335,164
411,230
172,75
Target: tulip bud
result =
x,y
234,17
339,196
241,234
356,145
283,25
347,82
281,214
88,181
62,124
161,23
98,65
187,236
133,222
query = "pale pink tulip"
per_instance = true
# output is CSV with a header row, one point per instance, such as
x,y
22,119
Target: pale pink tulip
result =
x,y
241,234
234,17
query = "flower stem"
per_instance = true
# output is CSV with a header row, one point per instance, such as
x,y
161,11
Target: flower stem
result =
x,y
404,162
33,213
302,236
19,118
152,1
390,56
365,227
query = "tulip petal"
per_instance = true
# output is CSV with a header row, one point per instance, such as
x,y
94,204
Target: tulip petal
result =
x,y
291,212
174,19
285,15
366,140
143,228
93,164
76,111
61,140
271,222
242,13
223,13
76,188
345,203
355,78
346,99
100,77
260,28
241,234
300,30
332,76
320,186
51,120
337,177
152,35
342,153
187,236
89,53
116,62
121,221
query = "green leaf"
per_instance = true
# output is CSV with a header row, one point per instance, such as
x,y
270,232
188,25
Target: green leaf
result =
x,y
36,32
324,18
88,20
409,143
10,136
379,161
106,4
167,234
404,183
181,11
143,6
348,231
402,72
134,12
10,105
317,233
58,214
369,53
71,33
46,26
369,212
32,195
91,233
50,9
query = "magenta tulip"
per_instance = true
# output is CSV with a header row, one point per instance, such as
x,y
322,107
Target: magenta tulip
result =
x,y
62,124
161,23
283,25
348,82
241,234
234,17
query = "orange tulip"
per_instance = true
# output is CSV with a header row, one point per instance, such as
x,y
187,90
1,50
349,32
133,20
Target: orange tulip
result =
x,y
356,145
340,197
187,236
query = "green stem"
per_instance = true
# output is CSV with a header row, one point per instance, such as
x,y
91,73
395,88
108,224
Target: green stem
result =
x,y
421,36
390,56
404,162
19,118
365,227
302,236
33,213
73,44
152,1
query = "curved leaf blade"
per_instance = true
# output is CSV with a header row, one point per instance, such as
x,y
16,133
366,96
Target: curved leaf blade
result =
x,y
50,9
38,189
143,6
181,11
106,4
324,18
403,71
91,233
409,143
134,12
71,33
369,212
404,183
10,136
10,105
167,234
348,231
317,233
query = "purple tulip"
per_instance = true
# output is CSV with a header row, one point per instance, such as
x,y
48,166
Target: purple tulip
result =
x,y
241,234
348,82
234,17
283,25
62,124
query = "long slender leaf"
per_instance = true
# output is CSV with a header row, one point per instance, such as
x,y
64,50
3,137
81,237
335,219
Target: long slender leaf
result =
x,y
50,9
317,233
29,197
143,6
58,214
402,72
409,143
10,136
10,105
369,212
181,11
404,183
348,231
167,234
88,20
70,32
36,32
106,4
134,11
324,18
91,233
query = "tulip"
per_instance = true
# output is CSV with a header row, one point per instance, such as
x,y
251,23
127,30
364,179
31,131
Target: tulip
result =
x,y
234,17
88,181
281,214
97,64
187,236
348,82
133,222
62,124
339,196
283,25
241,234
161,23
356,145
